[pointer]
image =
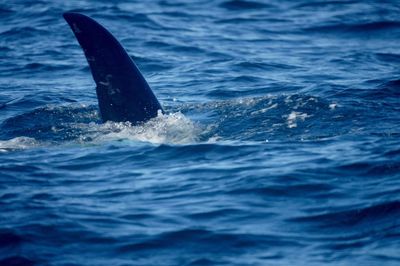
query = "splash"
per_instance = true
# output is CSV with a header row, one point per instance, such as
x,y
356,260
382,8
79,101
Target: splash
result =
x,y
172,128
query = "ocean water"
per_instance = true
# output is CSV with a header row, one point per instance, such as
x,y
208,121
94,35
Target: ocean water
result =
x,y
280,144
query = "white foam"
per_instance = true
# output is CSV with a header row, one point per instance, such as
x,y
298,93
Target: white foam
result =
x,y
294,116
333,106
17,144
264,110
172,128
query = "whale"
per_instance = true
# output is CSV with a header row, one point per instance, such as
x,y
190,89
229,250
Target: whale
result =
x,y
122,92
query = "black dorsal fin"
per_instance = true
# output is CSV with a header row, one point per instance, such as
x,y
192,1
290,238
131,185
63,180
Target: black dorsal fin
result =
x,y
122,91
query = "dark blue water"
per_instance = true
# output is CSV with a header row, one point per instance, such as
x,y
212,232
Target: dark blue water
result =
x,y
280,146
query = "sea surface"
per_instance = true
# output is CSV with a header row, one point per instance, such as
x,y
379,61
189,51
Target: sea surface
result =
x,y
280,144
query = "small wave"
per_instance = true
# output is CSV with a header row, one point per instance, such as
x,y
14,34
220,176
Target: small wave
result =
x,y
368,27
323,4
48,123
140,19
6,11
9,238
26,31
69,124
242,5
388,57
17,143
195,238
257,118
388,90
44,67
380,213
266,117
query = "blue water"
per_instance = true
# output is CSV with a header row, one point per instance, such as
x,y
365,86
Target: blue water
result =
x,y
280,146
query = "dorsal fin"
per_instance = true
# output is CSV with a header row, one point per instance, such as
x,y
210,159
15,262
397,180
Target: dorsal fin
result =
x,y
122,91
